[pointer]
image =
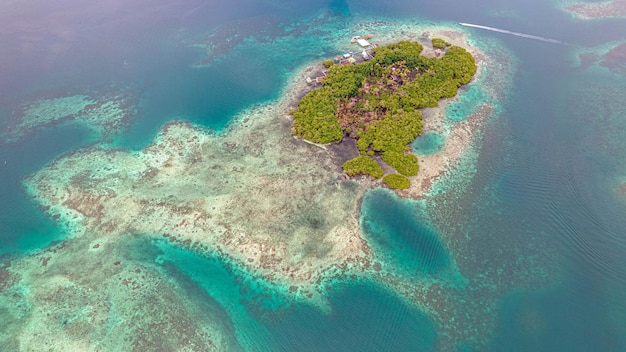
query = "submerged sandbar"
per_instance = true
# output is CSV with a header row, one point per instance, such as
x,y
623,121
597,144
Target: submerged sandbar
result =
x,y
597,10
245,195
107,113
611,56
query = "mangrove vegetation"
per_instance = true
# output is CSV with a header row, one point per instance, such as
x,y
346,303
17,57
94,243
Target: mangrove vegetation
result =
x,y
396,181
363,165
440,43
377,103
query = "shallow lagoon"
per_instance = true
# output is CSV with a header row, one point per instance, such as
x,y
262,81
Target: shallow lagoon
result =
x,y
428,143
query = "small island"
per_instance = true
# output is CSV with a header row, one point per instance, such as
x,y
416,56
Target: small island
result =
x,y
377,102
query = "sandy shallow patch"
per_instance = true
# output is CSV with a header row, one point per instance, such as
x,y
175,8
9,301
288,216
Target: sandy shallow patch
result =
x,y
260,197
106,113
591,11
69,297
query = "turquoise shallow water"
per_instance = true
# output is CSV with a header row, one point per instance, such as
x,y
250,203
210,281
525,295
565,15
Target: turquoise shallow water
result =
x,y
262,316
468,101
363,318
394,228
22,225
428,143
539,227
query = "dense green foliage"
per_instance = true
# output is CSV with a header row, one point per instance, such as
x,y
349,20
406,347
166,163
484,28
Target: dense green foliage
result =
x,y
315,120
377,102
392,133
457,64
406,164
396,181
440,43
363,165
407,51
342,81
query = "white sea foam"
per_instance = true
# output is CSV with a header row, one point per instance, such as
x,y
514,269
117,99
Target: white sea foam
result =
x,y
517,34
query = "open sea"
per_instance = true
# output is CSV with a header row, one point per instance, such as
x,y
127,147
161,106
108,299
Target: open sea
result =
x,y
532,245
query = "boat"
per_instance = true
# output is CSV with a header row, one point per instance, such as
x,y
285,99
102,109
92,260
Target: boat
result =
x,y
356,38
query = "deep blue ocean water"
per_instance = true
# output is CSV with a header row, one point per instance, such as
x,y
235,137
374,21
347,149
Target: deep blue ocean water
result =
x,y
547,183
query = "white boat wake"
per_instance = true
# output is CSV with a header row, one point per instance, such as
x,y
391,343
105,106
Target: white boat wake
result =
x,y
523,35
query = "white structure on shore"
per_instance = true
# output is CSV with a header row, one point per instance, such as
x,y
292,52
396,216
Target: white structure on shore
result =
x,y
363,43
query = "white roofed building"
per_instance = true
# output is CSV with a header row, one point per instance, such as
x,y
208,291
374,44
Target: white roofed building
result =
x,y
364,43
